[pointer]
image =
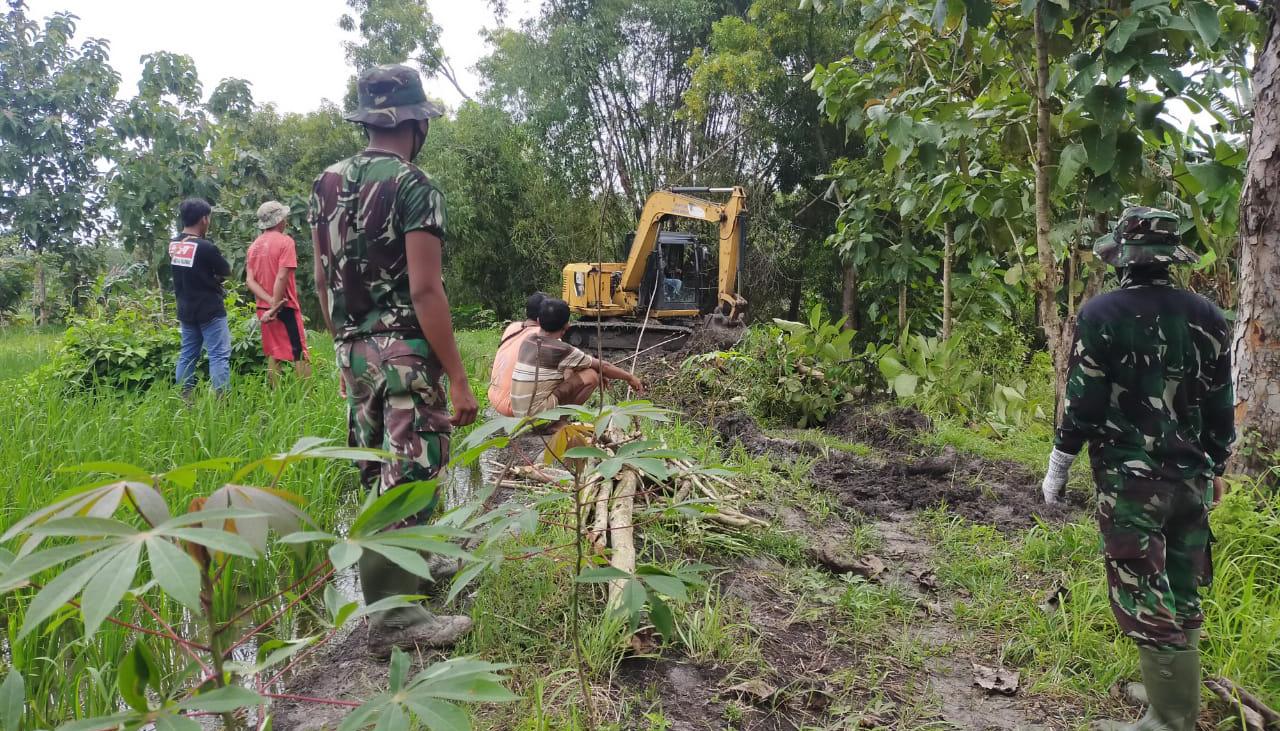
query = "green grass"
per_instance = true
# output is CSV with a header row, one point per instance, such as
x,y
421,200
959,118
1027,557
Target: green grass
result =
x,y
997,582
22,351
48,429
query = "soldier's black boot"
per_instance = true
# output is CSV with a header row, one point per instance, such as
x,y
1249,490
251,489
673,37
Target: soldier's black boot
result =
x,y
409,627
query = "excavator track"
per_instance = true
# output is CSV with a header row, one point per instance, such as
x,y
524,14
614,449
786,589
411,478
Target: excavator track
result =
x,y
617,335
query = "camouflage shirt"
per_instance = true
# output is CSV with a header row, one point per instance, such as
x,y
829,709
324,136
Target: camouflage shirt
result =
x,y
361,209
1149,383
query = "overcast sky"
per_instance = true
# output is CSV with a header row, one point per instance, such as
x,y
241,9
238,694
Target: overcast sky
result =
x,y
290,50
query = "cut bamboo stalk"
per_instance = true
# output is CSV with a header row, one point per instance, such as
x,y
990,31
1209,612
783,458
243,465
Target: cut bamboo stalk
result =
x,y
622,533
600,527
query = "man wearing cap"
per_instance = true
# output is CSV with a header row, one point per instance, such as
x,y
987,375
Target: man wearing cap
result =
x,y
269,274
1149,389
378,226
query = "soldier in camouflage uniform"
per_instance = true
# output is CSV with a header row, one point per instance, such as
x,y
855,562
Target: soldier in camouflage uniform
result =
x,y
1149,389
378,225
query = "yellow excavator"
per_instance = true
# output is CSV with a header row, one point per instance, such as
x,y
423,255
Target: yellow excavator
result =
x,y
672,282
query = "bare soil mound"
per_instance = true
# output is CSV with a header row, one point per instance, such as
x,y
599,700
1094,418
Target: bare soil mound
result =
x,y
999,493
894,429
740,428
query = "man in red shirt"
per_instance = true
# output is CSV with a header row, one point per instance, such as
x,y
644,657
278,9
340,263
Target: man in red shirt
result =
x,y
269,273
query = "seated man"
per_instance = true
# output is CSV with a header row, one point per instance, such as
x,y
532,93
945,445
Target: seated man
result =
x,y
549,372
674,283
508,349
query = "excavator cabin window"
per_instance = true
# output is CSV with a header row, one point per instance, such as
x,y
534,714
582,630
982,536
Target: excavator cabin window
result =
x,y
680,274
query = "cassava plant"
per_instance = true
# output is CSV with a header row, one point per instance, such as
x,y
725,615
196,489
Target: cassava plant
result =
x,y
116,551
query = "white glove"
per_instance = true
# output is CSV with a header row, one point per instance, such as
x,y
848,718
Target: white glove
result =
x,y
1055,480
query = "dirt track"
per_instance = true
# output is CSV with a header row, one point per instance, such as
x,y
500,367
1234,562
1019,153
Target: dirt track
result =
x,y
808,655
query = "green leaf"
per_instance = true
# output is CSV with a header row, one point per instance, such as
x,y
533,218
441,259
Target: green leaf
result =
x,y
601,574
105,590
1211,176
666,585
137,671
1148,113
394,505
1205,18
175,571
1121,33
439,715
1100,148
586,453
149,503
61,590
115,469
905,384
1106,104
216,540
398,671
410,561
12,696
222,700
176,723
393,718
344,554
1070,162
85,527
27,566
101,723
631,601
662,618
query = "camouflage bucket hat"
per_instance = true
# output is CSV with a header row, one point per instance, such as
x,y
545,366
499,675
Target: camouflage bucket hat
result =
x,y
271,213
389,95
1144,236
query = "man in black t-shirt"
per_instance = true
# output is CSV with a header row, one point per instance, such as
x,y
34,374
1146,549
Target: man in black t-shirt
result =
x,y
198,271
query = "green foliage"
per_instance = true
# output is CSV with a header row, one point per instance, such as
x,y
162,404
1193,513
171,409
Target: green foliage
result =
x,y
791,372
133,346
193,557
949,378
57,98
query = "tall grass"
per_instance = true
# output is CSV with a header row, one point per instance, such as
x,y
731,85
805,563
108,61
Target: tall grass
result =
x,y
24,350
47,427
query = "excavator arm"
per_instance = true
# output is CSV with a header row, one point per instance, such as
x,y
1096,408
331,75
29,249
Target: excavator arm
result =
x,y
730,218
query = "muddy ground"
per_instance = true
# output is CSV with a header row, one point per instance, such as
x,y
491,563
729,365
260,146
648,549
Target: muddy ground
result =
x,y
902,476
816,672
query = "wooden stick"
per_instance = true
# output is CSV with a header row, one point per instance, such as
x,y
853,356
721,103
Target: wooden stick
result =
x,y
1252,719
1235,695
622,535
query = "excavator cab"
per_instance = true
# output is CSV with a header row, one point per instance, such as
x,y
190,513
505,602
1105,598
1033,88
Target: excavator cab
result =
x,y
680,278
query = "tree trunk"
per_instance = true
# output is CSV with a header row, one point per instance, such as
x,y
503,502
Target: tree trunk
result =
x,y
1255,349
948,250
849,297
1055,333
902,309
42,293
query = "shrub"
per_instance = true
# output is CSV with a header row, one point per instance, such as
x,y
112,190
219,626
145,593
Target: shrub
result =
x,y
135,345
791,372
977,381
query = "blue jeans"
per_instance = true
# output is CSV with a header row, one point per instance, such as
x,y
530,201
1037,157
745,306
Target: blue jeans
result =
x,y
215,338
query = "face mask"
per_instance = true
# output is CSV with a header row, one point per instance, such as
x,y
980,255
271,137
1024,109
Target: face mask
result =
x,y
419,140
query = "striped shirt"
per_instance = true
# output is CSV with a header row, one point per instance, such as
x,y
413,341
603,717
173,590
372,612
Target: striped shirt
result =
x,y
540,369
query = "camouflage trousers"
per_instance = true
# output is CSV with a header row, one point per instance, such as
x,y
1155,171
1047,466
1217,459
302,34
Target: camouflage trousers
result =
x,y
395,403
1157,546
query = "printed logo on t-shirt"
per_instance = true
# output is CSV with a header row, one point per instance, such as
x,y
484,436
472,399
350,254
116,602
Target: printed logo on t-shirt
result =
x,y
183,253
